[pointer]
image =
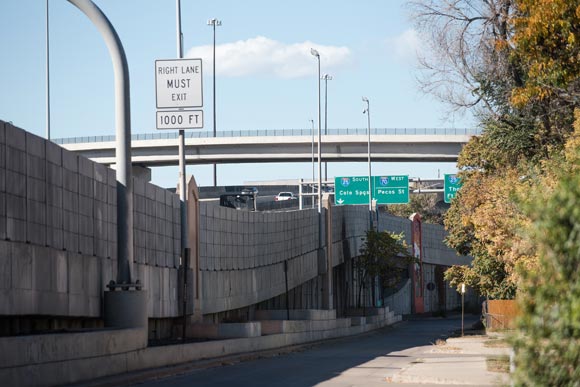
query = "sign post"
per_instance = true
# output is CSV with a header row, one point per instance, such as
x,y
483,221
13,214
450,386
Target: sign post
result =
x,y
452,184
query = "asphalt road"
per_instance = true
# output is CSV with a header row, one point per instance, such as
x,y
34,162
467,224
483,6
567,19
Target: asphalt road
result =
x,y
364,360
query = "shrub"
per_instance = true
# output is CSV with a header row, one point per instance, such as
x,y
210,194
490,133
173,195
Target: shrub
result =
x,y
547,345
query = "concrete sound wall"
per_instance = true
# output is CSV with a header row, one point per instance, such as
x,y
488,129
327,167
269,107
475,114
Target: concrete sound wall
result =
x,y
58,232
435,249
242,254
349,225
396,225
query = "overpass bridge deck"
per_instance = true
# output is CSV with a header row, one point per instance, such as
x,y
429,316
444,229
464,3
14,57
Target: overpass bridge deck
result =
x,y
259,146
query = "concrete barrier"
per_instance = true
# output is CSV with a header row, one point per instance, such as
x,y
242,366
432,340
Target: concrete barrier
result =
x,y
224,330
270,327
54,359
296,314
358,321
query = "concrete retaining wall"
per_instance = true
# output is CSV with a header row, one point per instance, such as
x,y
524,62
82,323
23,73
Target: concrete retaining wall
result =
x,y
400,302
120,352
48,360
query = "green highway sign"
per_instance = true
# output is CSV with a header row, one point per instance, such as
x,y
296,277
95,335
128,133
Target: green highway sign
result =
x,y
452,185
351,190
386,189
391,189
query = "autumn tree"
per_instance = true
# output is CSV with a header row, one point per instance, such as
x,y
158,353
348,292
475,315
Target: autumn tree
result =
x,y
547,48
517,62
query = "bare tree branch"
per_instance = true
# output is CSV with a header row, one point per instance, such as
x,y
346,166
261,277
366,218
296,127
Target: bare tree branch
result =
x,y
466,63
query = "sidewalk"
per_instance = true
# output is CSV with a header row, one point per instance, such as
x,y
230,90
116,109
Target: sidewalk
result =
x,y
458,361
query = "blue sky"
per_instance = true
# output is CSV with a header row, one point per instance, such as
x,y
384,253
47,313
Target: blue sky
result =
x,y
266,77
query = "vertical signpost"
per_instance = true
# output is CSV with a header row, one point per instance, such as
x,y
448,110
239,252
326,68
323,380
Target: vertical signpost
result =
x,y
452,184
178,89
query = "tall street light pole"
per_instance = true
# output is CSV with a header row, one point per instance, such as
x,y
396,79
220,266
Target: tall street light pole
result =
x,y
214,23
182,165
326,77
367,111
312,184
317,55
47,78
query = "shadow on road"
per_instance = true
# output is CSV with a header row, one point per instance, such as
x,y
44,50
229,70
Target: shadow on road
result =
x,y
312,365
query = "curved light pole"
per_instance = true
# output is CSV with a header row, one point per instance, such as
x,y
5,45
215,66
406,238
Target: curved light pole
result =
x,y
326,78
214,23
367,111
123,138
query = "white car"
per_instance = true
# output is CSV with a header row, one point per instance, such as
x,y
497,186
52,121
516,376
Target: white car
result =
x,y
285,196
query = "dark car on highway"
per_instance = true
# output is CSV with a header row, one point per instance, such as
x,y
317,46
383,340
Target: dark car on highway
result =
x,y
250,191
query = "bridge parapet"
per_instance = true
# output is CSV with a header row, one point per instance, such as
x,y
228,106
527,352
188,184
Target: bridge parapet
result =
x,y
275,133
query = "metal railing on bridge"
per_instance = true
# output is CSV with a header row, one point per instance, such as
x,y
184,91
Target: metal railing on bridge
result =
x,y
275,133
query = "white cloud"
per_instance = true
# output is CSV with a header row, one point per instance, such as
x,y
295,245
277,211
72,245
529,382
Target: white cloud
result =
x,y
406,46
267,57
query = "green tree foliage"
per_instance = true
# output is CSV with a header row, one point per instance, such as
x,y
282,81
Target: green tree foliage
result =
x,y
548,342
488,276
384,256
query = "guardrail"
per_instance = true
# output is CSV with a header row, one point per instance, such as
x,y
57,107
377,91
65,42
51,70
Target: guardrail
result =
x,y
275,133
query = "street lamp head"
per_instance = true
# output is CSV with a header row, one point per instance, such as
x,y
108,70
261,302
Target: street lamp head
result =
x,y
327,77
214,22
315,53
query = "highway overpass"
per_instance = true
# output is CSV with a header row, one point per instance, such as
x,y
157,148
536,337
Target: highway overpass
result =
x,y
262,146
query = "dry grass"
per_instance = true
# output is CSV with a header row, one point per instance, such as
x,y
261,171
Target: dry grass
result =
x,y
496,343
498,364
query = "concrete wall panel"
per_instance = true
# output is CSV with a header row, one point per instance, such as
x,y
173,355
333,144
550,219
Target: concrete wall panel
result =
x,y
64,207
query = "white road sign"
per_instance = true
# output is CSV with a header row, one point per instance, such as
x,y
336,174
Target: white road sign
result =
x,y
180,119
178,83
